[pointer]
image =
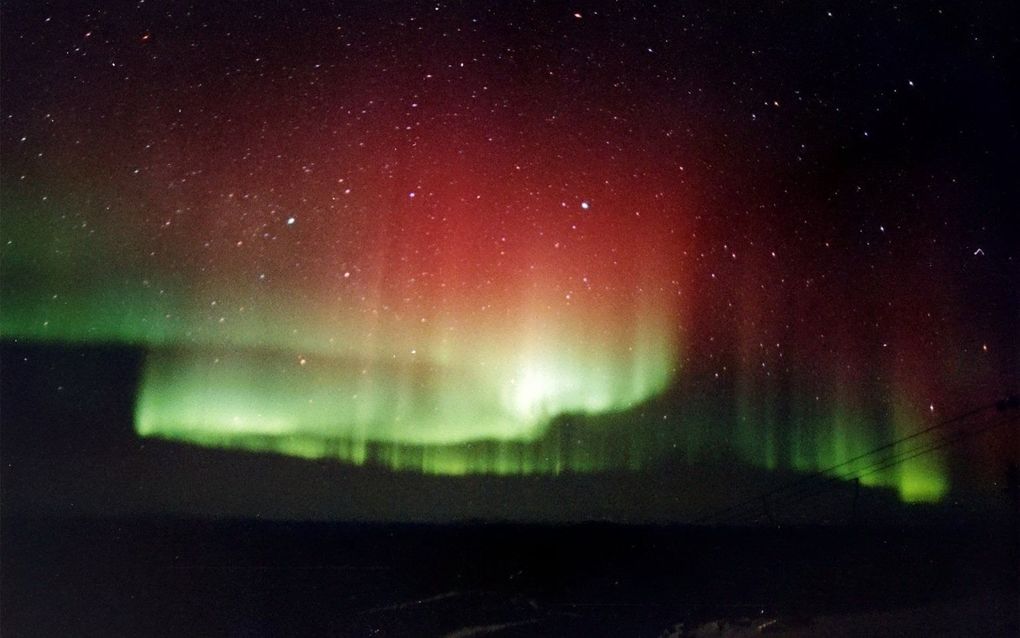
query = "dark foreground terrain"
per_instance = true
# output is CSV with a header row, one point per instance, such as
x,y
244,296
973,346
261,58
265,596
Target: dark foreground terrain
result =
x,y
93,577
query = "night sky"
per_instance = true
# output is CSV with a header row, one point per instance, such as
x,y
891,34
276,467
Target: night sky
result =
x,y
429,237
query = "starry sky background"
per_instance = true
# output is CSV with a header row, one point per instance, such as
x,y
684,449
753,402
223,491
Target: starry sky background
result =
x,y
418,234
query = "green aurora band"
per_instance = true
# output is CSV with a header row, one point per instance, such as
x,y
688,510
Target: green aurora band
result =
x,y
411,416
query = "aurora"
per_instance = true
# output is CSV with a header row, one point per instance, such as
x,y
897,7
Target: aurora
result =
x,y
475,259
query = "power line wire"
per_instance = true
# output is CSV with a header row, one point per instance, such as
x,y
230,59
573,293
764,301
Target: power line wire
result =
x,y
727,514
